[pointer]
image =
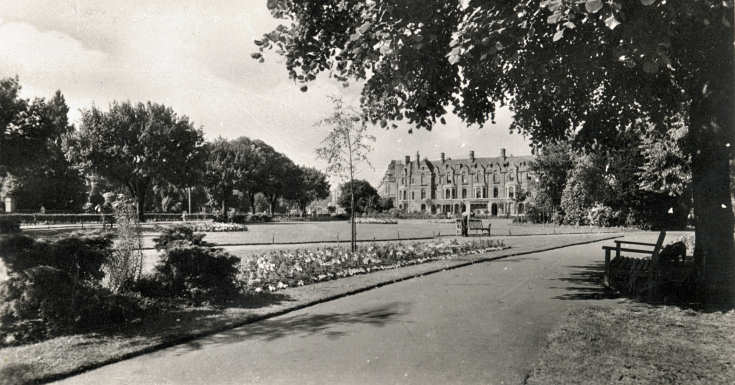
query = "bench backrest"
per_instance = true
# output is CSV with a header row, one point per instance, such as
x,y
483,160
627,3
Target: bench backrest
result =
x,y
659,242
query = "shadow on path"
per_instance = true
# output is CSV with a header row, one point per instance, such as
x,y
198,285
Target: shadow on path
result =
x,y
302,326
585,283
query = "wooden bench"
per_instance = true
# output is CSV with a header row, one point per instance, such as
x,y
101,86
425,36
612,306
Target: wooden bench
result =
x,y
631,271
474,225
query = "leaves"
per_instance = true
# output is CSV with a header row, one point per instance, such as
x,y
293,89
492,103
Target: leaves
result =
x,y
611,22
593,6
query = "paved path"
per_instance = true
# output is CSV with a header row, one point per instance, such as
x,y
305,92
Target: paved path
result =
x,y
482,324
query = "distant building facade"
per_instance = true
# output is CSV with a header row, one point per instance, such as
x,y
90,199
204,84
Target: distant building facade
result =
x,y
490,186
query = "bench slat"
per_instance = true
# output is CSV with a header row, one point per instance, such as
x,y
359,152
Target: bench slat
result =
x,y
628,250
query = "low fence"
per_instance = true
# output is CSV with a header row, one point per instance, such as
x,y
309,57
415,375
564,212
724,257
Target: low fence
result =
x,y
58,219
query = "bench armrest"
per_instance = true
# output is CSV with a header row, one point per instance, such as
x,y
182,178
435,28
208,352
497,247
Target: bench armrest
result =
x,y
637,243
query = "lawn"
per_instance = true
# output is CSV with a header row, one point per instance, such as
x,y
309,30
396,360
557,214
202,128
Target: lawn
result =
x,y
264,233
632,343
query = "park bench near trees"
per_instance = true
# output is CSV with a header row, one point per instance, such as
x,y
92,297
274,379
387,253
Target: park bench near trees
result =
x,y
658,268
474,225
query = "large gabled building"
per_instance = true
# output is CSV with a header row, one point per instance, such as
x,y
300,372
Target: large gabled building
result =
x,y
492,186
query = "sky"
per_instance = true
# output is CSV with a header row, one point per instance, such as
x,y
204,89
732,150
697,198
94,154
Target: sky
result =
x,y
194,56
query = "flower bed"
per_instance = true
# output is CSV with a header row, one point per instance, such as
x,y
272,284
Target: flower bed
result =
x,y
280,269
214,227
380,221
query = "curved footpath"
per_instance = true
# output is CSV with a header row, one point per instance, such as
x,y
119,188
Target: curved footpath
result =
x,y
481,324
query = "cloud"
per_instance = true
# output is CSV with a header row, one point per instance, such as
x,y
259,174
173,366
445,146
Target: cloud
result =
x,y
195,57
46,55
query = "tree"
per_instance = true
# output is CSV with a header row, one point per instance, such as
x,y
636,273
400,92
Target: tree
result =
x,y
551,165
366,196
230,166
344,147
32,148
587,70
306,185
135,145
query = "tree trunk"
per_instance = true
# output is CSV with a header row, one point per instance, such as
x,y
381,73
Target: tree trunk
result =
x,y
714,228
251,199
140,200
711,137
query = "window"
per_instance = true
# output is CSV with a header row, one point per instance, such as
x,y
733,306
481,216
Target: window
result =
x,y
478,192
477,176
464,177
464,193
449,178
484,192
495,192
511,191
413,195
496,177
423,194
510,175
422,178
454,193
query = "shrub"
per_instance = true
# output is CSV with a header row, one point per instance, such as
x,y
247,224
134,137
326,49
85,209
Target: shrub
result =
x,y
179,235
9,225
198,273
43,301
603,216
79,256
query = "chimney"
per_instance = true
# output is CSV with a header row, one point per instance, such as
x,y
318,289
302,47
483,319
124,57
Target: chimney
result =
x,y
472,155
443,157
408,159
502,153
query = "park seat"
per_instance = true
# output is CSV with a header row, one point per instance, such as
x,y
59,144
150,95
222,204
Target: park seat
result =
x,y
474,225
621,264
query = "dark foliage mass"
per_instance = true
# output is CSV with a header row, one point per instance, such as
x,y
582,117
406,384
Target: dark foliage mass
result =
x,y
54,287
191,268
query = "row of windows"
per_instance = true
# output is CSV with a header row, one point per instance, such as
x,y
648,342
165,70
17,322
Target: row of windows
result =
x,y
451,193
425,178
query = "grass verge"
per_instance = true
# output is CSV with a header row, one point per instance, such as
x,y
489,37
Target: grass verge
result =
x,y
632,343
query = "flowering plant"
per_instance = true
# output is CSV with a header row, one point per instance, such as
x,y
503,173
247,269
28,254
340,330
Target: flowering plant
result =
x,y
279,269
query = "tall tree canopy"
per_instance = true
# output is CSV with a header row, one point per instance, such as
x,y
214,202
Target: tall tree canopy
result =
x,y
33,138
366,196
133,145
586,69
305,185
231,165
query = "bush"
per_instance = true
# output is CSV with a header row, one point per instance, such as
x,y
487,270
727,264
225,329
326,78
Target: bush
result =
x,y
9,225
43,301
201,274
79,256
54,288
603,216
178,236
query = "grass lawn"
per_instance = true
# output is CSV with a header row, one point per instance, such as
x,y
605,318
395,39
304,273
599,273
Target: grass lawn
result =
x,y
632,343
